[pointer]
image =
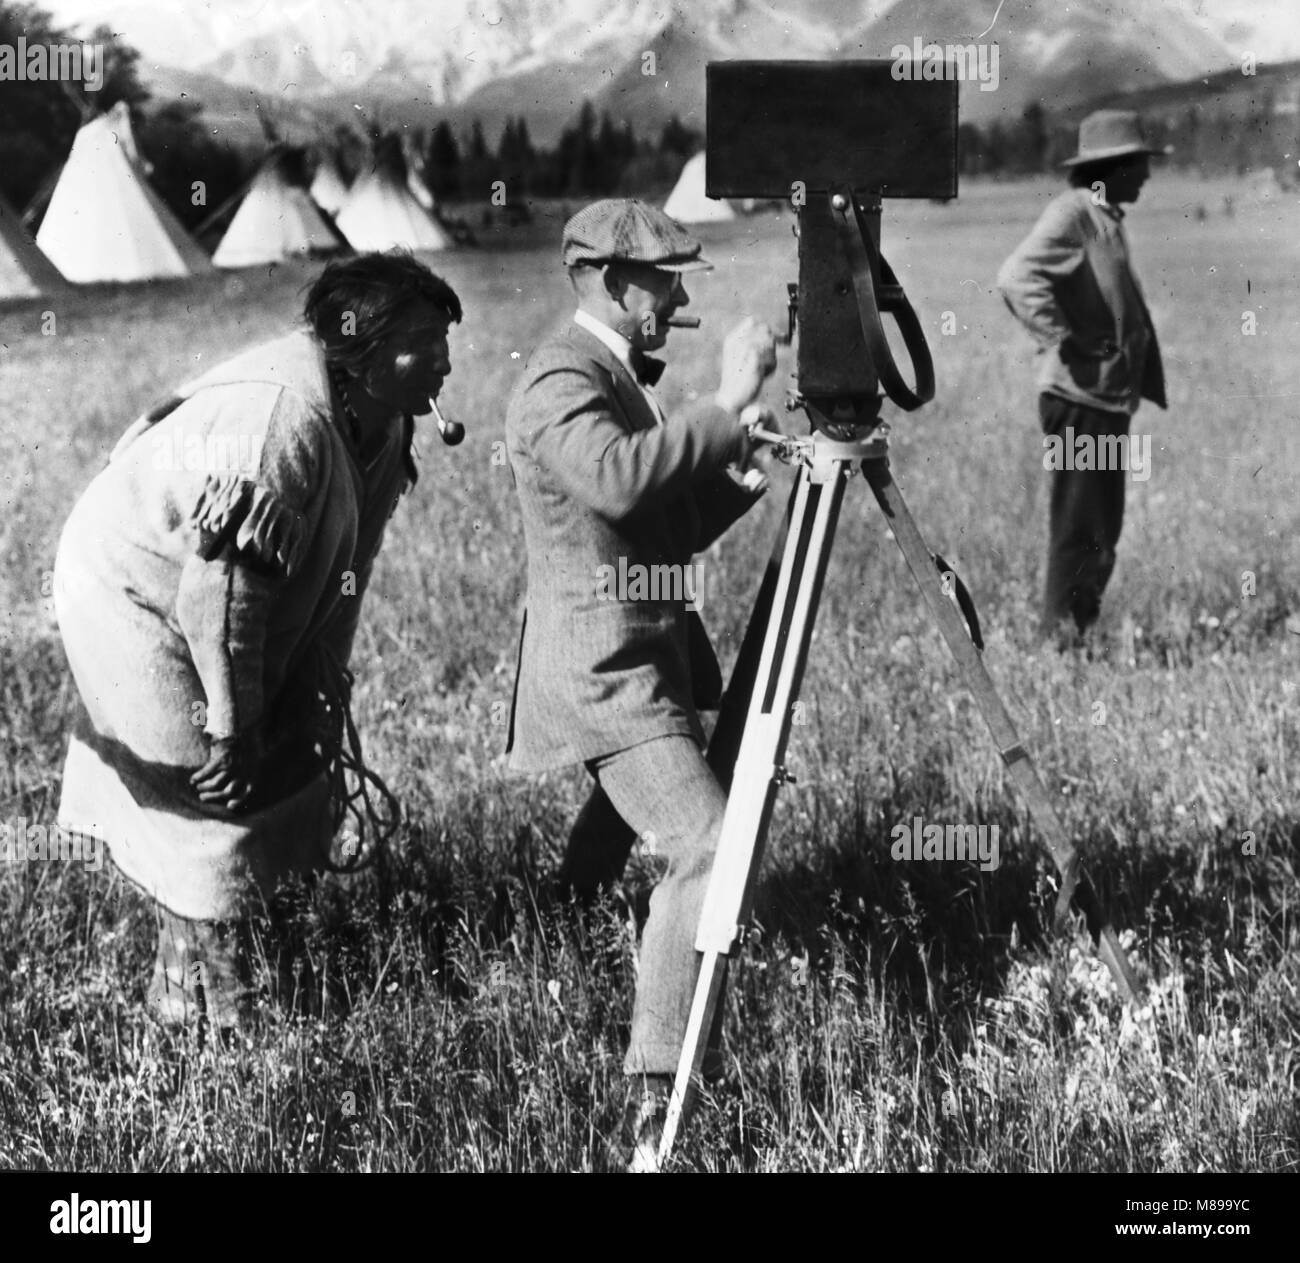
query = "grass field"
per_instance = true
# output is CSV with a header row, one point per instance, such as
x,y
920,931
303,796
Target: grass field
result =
x,y
886,1016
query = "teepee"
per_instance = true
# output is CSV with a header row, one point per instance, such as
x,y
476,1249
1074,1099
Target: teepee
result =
x,y
104,222
277,219
415,174
687,203
327,188
381,212
420,191
24,271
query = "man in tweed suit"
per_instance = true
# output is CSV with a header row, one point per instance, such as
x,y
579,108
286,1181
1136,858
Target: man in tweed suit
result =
x,y
606,484
1071,284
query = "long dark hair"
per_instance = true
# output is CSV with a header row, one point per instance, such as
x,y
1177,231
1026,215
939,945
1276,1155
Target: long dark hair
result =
x,y
356,303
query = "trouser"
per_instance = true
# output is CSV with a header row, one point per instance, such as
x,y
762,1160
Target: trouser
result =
x,y
664,793
1085,516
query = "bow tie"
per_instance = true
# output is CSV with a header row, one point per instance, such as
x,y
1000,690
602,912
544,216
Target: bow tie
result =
x,y
646,368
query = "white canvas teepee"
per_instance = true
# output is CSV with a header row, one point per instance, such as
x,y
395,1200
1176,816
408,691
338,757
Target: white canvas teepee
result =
x,y
414,181
24,271
382,213
276,220
687,203
104,222
328,190
420,191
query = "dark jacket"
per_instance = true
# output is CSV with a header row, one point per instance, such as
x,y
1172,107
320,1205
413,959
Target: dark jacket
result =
x,y
1071,284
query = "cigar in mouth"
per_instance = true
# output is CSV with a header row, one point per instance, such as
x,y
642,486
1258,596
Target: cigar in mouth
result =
x,y
452,431
683,322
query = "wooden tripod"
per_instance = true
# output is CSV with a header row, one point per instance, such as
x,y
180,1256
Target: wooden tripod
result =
x,y
755,718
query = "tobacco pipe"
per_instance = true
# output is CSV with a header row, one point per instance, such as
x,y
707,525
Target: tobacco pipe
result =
x,y
452,431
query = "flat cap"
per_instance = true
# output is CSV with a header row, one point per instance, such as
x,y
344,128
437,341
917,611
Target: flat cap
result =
x,y
626,230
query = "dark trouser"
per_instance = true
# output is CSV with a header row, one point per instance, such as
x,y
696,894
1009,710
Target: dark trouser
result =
x,y
1085,517
664,793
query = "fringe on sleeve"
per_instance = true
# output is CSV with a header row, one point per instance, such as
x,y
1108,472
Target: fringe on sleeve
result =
x,y
232,510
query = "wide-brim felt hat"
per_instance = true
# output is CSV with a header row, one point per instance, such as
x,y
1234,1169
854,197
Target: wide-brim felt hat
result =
x,y
1106,134
625,230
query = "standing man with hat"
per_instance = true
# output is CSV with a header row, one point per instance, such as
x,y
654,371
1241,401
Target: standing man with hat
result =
x,y
1071,284
607,483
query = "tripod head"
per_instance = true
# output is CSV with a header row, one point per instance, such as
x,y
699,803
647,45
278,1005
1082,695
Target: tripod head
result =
x,y
837,138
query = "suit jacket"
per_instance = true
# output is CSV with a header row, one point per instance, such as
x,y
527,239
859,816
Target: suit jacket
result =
x,y
1071,284
602,484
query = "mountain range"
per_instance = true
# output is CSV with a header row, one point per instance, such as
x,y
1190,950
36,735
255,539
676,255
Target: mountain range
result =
x,y
413,61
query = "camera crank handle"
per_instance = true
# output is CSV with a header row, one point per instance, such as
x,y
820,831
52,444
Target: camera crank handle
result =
x,y
751,421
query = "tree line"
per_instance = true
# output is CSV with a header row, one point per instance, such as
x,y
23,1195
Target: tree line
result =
x,y
593,157
1211,137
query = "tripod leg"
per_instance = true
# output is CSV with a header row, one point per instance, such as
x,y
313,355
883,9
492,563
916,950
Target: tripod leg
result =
x,y
758,770
724,745
708,992
1074,881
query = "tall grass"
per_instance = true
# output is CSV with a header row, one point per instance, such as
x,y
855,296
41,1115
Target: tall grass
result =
x,y
882,1015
